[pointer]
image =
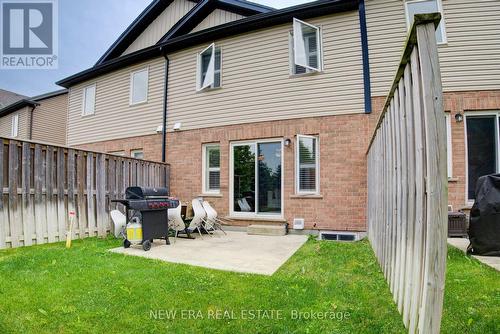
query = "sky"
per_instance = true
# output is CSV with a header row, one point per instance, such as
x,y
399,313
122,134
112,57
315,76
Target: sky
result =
x,y
86,30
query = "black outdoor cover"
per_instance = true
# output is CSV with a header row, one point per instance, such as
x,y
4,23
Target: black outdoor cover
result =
x,y
484,227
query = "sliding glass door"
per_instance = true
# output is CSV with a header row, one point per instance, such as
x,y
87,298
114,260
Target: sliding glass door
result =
x,y
256,178
482,149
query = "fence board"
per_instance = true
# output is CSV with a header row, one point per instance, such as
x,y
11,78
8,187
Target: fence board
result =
x,y
44,182
407,159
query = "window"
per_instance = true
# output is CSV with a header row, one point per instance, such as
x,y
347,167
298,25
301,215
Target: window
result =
x,y
89,100
211,168
137,154
482,148
139,86
209,68
256,178
15,126
422,7
448,146
307,178
305,48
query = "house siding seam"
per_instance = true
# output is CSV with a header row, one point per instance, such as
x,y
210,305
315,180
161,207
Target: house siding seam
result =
x,y
161,25
469,60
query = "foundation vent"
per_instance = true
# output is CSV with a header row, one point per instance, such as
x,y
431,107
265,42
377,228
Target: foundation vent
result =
x,y
338,236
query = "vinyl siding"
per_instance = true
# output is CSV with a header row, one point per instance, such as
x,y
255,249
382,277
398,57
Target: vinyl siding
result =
x,y
257,86
161,25
114,117
217,17
49,120
24,121
469,60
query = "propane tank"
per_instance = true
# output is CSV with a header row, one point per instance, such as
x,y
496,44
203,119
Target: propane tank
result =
x,y
134,231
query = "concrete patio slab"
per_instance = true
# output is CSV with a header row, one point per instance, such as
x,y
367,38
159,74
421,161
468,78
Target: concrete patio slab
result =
x,y
462,243
236,251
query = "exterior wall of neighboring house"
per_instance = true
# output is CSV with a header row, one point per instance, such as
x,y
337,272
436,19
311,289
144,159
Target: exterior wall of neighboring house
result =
x,y
217,17
161,25
50,119
114,117
24,121
469,59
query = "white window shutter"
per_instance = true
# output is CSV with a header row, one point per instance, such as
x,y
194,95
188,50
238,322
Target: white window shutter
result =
x,y
210,75
304,56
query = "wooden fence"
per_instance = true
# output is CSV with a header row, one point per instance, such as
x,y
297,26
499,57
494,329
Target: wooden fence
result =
x,y
42,183
407,183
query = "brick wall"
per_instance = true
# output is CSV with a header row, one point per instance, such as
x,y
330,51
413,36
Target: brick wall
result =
x,y
343,143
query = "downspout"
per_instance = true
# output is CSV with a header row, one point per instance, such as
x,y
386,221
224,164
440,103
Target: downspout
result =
x,y
164,125
366,57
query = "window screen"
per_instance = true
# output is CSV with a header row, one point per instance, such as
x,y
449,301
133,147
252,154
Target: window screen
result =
x,y
307,156
139,87
306,47
89,100
210,64
212,168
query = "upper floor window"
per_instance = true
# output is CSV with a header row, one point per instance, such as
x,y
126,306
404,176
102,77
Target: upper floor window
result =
x,y
15,126
306,48
211,168
139,86
307,178
89,100
424,7
209,68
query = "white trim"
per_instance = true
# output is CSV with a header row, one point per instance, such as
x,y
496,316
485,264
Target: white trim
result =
x,y
140,150
449,147
297,167
497,143
441,24
14,130
255,214
293,52
205,169
131,86
84,99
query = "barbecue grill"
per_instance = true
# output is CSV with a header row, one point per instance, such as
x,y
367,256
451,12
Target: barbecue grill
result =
x,y
149,206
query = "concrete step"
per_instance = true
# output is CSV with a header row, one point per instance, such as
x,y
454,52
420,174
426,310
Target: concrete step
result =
x,y
266,229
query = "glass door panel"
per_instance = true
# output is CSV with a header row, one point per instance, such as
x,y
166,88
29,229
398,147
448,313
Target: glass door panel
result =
x,y
244,178
269,177
481,149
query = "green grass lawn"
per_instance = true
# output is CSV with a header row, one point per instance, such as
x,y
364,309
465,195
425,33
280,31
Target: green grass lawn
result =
x,y
48,289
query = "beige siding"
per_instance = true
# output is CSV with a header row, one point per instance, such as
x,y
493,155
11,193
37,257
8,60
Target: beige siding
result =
x,y
470,58
49,120
161,25
256,82
217,17
114,117
24,121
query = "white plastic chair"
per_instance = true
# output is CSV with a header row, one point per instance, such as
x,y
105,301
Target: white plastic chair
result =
x,y
199,217
244,206
175,221
119,223
212,216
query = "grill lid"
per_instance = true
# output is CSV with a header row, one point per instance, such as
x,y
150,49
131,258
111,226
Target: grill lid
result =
x,y
145,192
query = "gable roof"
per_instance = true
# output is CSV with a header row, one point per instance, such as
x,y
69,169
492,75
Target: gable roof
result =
x,y
156,7
29,102
248,24
7,97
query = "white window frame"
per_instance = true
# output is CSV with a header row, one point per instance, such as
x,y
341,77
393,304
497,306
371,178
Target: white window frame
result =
x,y
131,89
139,150
199,83
449,149
297,167
119,153
253,215
497,143
14,131
84,99
440,9
206,169
293,49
